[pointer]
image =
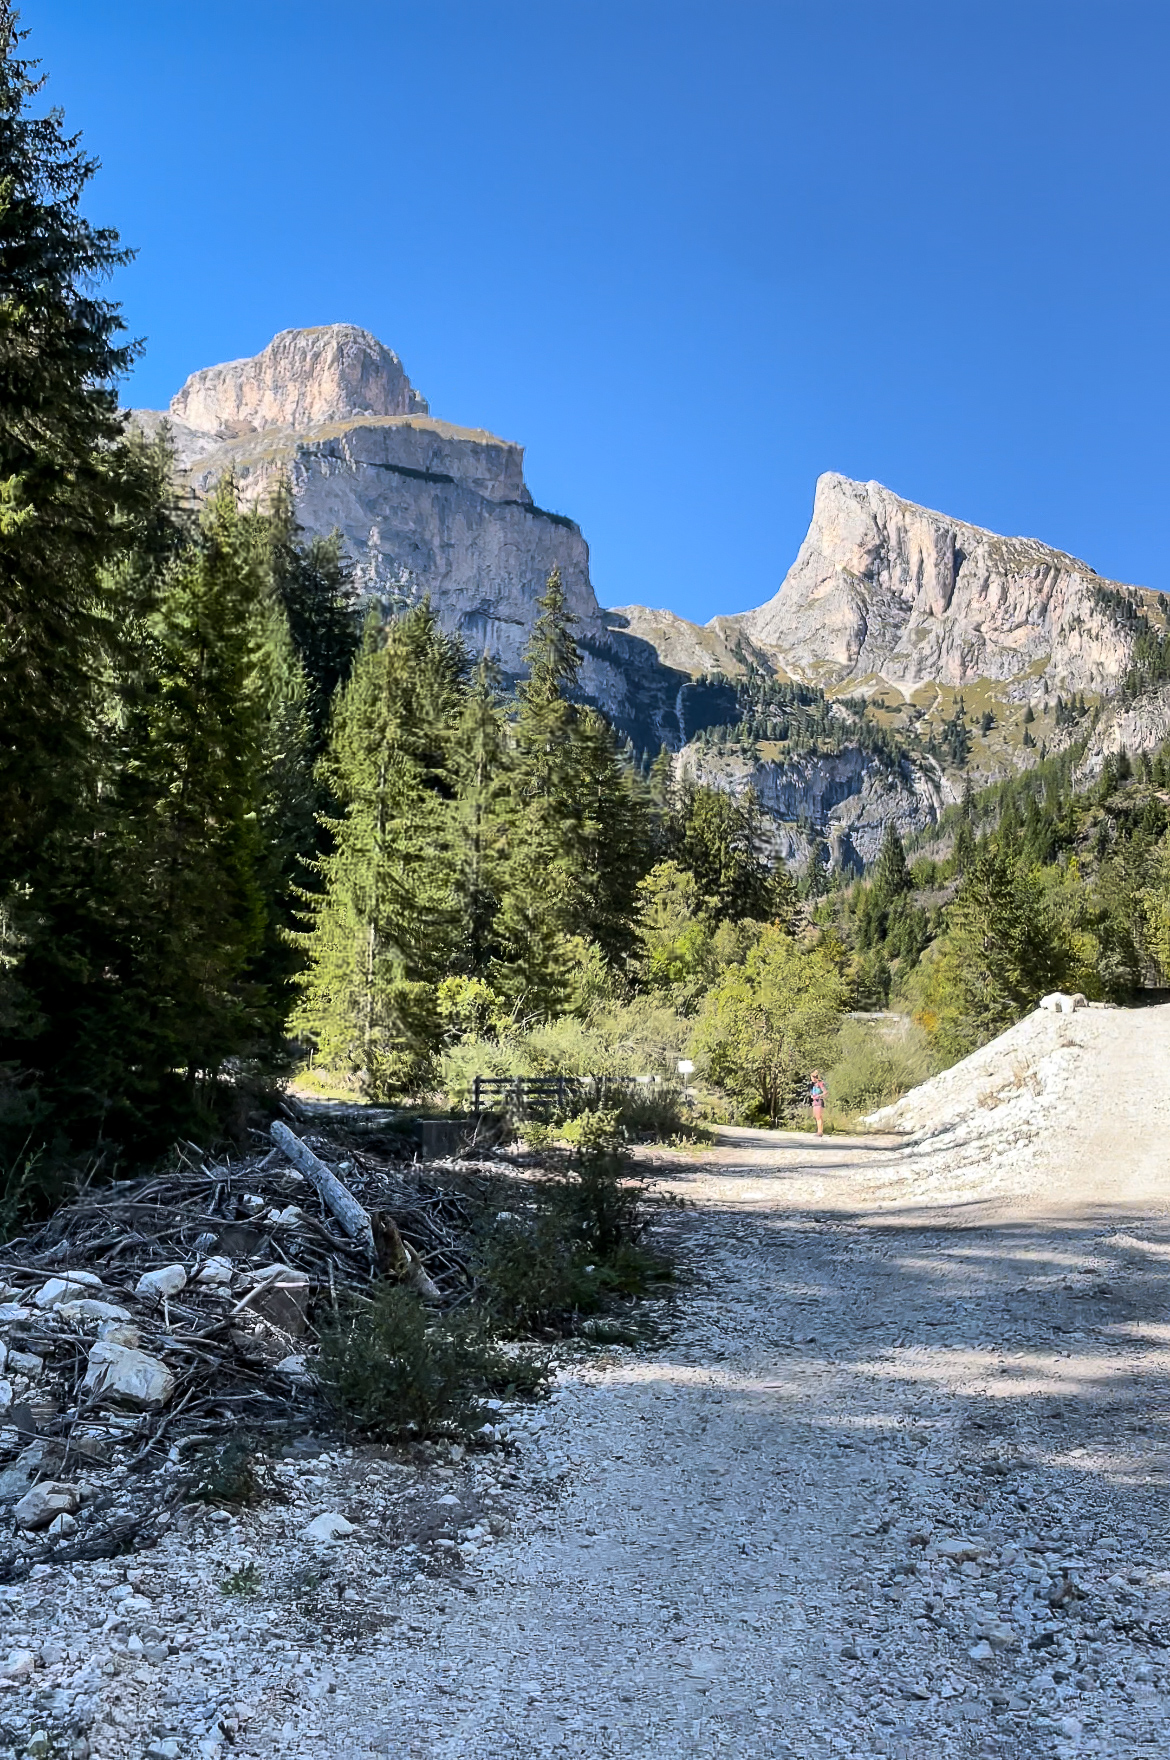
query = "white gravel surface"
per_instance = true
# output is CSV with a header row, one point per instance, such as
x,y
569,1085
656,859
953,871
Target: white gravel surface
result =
x,y
891,1481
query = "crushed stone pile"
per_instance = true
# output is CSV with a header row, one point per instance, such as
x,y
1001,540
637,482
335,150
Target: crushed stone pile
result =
x,y
1055,1091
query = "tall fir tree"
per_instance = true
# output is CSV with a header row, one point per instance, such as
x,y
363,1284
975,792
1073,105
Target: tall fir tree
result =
x,y
891,876
219,717
580,823
383,931
315,588
68,490
482,764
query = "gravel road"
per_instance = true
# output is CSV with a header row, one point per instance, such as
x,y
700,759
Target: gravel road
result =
x,y
895,1484
891,1480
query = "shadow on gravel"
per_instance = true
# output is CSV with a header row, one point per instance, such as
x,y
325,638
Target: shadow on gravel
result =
x,y
1037,1351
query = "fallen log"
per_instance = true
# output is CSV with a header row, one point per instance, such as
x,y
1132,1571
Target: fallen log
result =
x,y
352,1217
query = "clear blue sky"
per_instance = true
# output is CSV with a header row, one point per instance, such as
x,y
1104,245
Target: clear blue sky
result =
x,y
690,255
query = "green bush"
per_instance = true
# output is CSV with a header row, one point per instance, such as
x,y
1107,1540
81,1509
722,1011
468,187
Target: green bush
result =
x,y
578,1241
393,1369
876,1065
641,1037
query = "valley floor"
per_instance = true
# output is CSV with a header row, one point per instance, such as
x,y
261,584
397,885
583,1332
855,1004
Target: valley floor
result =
x,y
895,1483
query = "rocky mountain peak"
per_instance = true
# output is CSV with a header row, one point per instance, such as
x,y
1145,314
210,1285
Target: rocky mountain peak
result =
x,y
332,373
883,586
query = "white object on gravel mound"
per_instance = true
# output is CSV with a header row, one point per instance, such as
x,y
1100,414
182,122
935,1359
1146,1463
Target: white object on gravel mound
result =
x,y
328,1527
1058,1003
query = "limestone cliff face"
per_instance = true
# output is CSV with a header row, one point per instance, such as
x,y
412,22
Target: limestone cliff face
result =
x,y
847,796
422,506
881,586
327,374
1142,725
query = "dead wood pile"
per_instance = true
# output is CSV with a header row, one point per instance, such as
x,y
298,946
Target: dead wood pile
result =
x,y
173,1307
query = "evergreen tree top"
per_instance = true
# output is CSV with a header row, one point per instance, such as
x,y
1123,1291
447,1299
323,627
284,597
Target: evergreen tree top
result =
x,y
552,656
58,351
891,875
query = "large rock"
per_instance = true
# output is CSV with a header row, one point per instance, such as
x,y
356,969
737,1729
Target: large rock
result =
x,y
327,374
883,586
45,1502
154,1287
847,795
120,1375
422,506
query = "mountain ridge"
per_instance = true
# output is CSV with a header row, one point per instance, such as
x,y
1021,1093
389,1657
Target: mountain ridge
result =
x,y
883,596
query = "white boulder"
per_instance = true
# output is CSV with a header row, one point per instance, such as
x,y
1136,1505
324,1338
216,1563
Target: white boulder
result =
x,y
72,1286
959,1551
1058,1003
328,1527
155,1287
91,1310
45,1502
120,1375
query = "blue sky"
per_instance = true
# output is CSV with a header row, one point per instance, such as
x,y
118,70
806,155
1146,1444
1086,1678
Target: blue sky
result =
x,y
691,255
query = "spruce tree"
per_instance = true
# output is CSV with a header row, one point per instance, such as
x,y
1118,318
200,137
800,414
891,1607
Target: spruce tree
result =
x,y
65,486
481,764
315,588
580,824
891,876
202,746
384,929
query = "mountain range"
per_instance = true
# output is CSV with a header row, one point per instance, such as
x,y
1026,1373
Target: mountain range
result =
x,y
850,699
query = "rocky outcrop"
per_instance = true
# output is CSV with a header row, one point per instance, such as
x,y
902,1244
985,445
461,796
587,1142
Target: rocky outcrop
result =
x,y
1142,725
422,506
883,587
848,797
328,374
881,590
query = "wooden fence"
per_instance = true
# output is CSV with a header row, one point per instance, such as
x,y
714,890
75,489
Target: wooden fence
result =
x,y
523,1096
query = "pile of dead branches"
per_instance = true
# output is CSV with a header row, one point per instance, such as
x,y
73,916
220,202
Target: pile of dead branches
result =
x,y
175,1306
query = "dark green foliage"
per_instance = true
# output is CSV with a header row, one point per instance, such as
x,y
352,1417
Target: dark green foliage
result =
x,y
718,838
69,490
383,928
580,824
314,587
394,1370
578,1242
226,1474
1003,950
891,877
482,768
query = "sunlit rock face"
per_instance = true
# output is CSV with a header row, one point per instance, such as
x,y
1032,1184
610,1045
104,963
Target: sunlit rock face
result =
x,y
327,374
883,587
424,507
882,591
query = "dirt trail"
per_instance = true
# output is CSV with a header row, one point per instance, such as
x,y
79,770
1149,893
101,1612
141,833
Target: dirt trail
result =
x,y
895,1484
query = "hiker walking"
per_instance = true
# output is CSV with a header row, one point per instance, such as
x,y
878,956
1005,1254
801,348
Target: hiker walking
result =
x,y
816,1094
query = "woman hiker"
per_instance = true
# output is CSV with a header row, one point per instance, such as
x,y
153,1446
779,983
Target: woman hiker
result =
x,y
816,1093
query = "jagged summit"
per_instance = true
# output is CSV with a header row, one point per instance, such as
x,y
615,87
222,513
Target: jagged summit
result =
x,y
884,587
327,374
